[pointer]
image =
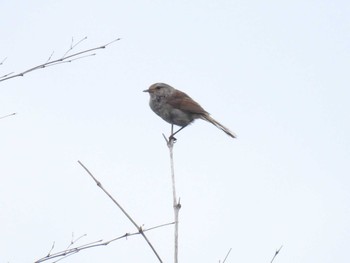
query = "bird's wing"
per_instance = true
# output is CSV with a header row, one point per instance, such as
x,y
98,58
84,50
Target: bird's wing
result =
x,y
182,101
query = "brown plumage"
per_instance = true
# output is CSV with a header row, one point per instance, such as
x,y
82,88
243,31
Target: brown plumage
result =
x,y
176,107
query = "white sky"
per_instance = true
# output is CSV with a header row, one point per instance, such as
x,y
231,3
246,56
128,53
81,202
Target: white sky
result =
x,y
276,73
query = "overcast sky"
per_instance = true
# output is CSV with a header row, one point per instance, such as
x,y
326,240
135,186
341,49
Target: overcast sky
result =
x,y
275,72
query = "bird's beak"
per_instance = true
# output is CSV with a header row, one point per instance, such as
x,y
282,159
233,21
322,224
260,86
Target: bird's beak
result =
x,y
146,90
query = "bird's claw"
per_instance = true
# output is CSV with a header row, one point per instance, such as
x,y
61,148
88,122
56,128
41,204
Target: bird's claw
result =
x,y
172,139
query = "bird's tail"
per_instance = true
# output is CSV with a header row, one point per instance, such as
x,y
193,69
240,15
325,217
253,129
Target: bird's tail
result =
x,y
219,125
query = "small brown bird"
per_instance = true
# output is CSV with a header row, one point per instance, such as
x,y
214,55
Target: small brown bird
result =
x,y
177,108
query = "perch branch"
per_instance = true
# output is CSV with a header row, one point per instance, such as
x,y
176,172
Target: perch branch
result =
x,y
176,203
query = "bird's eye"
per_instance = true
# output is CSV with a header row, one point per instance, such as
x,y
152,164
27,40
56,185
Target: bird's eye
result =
x,y
158,87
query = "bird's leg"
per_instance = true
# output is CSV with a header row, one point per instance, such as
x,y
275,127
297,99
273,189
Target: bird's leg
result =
x,y
173,133
171,137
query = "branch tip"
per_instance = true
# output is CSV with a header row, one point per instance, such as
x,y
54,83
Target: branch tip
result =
x,y
2,62
63,59
8,115
276,253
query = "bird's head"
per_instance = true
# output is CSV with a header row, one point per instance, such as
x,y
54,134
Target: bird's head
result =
x,y
159,89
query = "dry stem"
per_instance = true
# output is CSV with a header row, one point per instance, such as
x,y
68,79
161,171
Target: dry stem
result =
x,y
276,253
65,59
228,253
71,251
139,228
8,115
176,203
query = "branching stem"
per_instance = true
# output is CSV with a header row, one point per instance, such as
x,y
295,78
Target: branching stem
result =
x,y
66,58
139,228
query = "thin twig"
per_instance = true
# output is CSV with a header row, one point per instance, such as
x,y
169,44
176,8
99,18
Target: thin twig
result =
x,y
276,253
8,115
53,246
151,228
139,228
69,61
71,251
228,253
81,40
64,59
8,74
73,241
176,203
2,62
73,46
50,56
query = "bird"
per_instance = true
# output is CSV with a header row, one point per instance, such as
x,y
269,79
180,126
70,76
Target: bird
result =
x,y
177,108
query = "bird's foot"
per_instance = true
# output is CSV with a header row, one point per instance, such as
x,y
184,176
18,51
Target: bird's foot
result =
x,y
172,139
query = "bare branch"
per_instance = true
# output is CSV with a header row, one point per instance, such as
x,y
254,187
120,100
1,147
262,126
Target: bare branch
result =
x,y
71,60
72,46
64,59
139,228
81,40
50,56
8,74
8,115
71,251
151,228
176,203
75,240
53,246
276,253
2,62
228,253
